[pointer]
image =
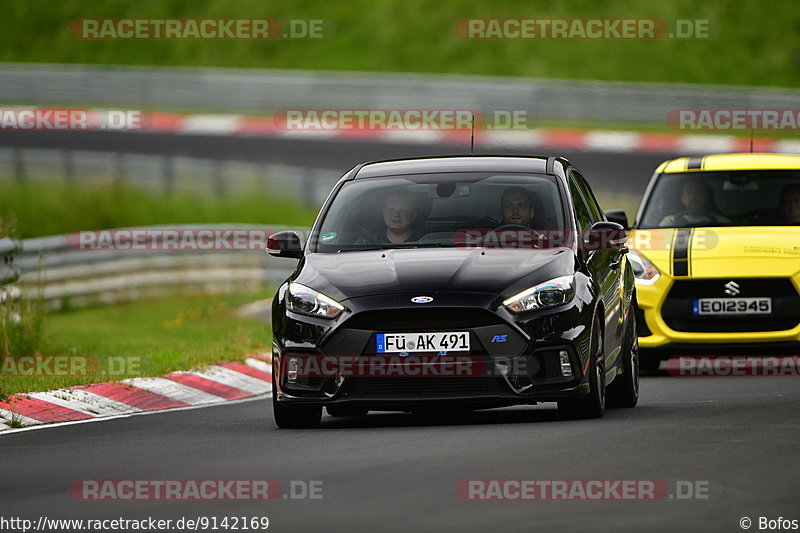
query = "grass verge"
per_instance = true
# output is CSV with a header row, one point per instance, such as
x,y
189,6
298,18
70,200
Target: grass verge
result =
x,y
146,338
751,43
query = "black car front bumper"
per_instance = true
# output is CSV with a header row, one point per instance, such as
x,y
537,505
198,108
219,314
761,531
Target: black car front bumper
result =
x,y
516,359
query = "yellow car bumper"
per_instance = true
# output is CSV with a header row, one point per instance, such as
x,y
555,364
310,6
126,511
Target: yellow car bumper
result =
x,y
651,299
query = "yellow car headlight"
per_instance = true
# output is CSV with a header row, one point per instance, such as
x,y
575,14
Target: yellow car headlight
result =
x,y
644,271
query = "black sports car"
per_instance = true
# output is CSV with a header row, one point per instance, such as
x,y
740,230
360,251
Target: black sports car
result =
x,y
455,283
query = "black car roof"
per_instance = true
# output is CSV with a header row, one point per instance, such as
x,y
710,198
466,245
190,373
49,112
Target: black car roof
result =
x,y
482,163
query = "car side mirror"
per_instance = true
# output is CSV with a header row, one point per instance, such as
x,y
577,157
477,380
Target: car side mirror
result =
x,y
285,244
619,216
605,235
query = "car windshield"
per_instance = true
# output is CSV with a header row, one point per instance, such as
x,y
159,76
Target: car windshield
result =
x,y
730,198
441,210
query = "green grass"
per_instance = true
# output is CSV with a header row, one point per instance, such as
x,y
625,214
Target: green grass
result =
x,y
50,209
147,338
753,43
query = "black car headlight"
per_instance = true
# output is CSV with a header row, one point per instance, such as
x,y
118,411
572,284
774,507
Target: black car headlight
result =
x,y
306,301
556,291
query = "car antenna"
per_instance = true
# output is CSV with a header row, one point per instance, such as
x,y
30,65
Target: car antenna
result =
x,y
472,137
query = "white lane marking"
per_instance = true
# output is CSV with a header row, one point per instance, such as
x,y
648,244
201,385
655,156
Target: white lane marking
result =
x,y
787,147
410,136
174,390
231,378
614,141
85,402
308,134
258,364
115,417
8,416
511,138
221,124
701,144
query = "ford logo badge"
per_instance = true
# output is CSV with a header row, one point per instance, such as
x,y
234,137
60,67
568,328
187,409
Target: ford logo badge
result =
x,y
421,299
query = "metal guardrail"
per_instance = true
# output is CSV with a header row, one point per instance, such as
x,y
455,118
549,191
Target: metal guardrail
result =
x,y
258,90
9,272
168,173
64,276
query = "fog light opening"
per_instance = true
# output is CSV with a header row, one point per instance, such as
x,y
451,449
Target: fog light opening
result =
x,y
504,366
292,370
566,367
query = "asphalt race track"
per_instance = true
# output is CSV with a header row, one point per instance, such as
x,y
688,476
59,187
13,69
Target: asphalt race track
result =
x,y
397,472
394,472
605,170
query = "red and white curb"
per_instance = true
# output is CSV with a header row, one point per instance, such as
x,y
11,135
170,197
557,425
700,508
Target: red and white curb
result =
x,y
485,139
214,384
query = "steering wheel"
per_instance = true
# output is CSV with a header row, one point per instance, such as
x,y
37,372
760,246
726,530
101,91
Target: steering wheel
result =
x,y
536,235
682,217
515,226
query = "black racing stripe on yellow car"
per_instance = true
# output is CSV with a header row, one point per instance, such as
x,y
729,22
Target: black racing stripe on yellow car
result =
x,y
695,162
680,251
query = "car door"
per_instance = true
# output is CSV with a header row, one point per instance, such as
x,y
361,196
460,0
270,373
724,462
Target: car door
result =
x,y
604,265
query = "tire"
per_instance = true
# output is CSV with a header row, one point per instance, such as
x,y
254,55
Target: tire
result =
x,y
593,404
290,416
347,410
624,390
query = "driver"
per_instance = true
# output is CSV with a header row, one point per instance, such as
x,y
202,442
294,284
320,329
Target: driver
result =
x,y
790,203
516,206
399,214
697,199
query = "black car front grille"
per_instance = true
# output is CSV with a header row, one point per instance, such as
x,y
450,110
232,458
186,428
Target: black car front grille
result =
x,y
677,308
403,320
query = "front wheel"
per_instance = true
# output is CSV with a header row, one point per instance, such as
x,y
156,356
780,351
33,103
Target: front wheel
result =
x,y
294,416
593,405
624,390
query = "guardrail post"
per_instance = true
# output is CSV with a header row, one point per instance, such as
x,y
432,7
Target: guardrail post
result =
x,y
9,273
168,172
19,164
309,184
219,185
119,168
69,166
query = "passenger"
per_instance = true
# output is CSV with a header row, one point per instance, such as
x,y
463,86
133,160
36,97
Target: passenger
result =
x,y
790,203
697,199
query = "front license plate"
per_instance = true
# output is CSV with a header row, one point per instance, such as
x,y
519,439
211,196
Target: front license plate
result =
x,y
732,306
450,341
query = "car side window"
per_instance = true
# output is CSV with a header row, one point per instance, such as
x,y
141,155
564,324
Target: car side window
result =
x,y
591,202
579,205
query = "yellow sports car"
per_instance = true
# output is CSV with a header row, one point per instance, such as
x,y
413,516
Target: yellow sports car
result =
x,y
716,254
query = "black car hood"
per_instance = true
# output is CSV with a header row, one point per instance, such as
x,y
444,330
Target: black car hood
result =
x,y
505,272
